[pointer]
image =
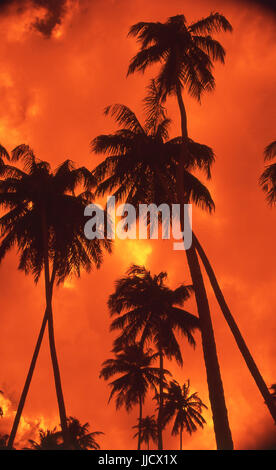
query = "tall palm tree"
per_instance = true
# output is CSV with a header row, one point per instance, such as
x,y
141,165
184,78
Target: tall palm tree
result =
x,y
132,171
147,309
186,53
185,407
268,177
149,430
137,375
45,220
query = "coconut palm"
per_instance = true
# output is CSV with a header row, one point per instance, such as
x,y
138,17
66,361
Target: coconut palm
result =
x,y
136,152
147,310
45,220
149,430
48,440
137,375
186,53
80,437
268,177
185,407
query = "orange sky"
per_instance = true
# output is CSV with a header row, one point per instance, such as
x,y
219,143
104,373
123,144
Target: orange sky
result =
x,y
53,91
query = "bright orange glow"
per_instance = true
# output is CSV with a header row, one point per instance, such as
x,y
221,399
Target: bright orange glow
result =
x,y
53,92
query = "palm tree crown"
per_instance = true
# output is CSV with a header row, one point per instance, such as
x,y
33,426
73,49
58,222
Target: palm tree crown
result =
x,y
27,193
80,437
185,51
136,155
184,406
137,371
149,430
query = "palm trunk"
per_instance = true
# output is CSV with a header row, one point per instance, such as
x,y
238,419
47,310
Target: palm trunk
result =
x,y
140,422
181,434
216,392
235,331
59,393
30,374
161,400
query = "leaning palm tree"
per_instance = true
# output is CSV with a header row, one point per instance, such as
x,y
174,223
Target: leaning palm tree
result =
x,y
186,53
149,430
148,310
184,407
137,375
268,177
45,220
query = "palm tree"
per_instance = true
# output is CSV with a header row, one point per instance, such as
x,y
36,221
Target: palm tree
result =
x,y
138,375
80,437
268,178
184,407
45,220
146,308
48,440
135,156
149,430
186,53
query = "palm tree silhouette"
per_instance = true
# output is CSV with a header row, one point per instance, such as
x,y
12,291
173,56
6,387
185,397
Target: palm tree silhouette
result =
x,y
131,171
184,407
80,437
48,440
186,53
146,308
268,177
138,375
149,430
45,220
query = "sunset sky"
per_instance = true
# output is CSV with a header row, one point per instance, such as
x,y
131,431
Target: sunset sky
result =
x,y
60,66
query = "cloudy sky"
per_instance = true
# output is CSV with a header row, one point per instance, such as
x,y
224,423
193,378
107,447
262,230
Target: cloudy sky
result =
x,y
62,62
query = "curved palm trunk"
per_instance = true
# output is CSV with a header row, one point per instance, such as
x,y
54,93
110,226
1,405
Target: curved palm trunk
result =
x,y
30,374
59,393
161,398
216,392
140,422
235,331
181,434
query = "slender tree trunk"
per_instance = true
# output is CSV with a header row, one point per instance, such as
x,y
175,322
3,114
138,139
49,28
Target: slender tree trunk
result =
x,y
235,331
140,422
30,374
181,434
216,392
59,393
161,401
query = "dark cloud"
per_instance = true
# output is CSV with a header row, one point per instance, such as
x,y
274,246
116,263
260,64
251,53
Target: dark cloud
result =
x,y
55,11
